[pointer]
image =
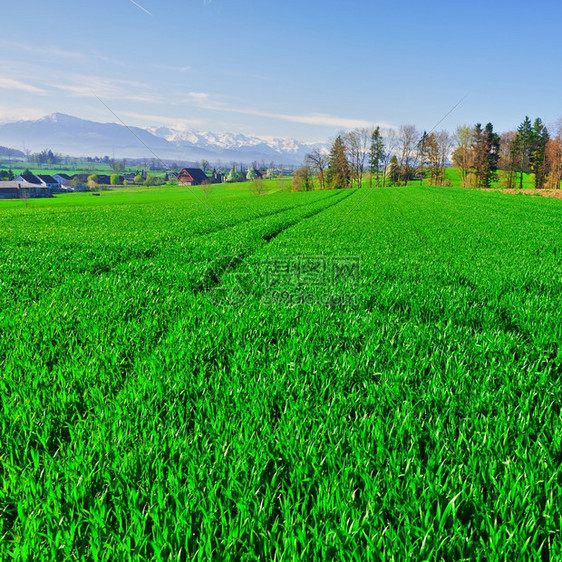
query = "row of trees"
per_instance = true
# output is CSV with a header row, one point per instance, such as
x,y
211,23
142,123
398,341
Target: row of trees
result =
x,y
531,149
93,181
6,175
45,158
251,174
528,150
386,156
477,155
400,156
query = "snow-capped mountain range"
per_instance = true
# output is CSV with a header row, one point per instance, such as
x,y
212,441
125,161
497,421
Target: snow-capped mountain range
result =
x,y
230,141
79,137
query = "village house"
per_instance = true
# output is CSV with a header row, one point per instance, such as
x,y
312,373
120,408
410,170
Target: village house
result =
x,y
22,190
36,185
61,178
81,178
29,178
38,179
103,179
48,181
64,182
129,177
192,176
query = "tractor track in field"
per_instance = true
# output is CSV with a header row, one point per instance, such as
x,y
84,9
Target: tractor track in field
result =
x,y
218,271
265,215
271,236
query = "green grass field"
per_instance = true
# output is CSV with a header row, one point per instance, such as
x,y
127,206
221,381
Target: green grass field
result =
x,y
133,195
340,375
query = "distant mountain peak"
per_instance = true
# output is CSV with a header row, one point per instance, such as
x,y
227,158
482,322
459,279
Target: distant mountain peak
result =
x,y
56,117
79,137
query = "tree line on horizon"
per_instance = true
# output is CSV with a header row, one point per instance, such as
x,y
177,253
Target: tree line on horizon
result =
x,y
397,157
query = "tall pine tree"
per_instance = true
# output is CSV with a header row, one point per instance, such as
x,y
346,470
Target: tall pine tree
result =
x,y
376,154
339,170
493,153
537,159
486,154
523,144
392,170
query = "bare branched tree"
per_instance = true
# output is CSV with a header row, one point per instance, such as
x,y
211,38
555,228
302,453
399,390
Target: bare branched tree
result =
x,y
445,146
463,154
302,180
357,143
317,161
391,141
408,152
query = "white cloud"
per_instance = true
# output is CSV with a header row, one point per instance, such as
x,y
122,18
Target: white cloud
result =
x,y
53,53
173,68
198,96
204,101
10,84
47,51
91,86
173,122
9,114
319,119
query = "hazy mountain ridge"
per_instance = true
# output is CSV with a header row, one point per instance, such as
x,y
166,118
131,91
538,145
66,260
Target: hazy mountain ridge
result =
x,y
11,152
80,137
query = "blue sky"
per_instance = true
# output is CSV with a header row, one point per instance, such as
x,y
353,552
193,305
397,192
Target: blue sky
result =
x,y
303,69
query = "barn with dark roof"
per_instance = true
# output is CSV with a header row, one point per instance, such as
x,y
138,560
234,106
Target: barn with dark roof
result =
x,y
192,176
28,177
47,180
22,190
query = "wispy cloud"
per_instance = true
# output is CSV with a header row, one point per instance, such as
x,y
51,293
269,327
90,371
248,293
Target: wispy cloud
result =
x,y
139,6
90,86
45,50
52,53
197,96
173,122
8,114
205,101
10,84
173,68
319,119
